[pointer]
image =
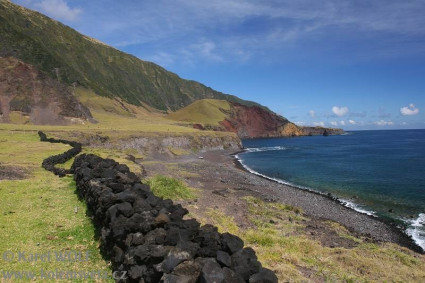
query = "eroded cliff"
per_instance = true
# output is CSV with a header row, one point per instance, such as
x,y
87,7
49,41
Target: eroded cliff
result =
x,y
256,122
30,96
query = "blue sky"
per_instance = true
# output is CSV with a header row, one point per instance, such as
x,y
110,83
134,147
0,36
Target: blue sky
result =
x,y
352,64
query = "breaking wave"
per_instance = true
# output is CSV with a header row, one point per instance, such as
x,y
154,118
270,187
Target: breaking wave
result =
x,y
260,149
416,230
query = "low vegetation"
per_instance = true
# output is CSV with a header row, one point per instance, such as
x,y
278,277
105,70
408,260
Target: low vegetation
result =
x,y
282,244
170,188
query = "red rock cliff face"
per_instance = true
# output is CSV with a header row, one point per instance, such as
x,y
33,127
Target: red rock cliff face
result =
x,y
256,122
26,90
253,122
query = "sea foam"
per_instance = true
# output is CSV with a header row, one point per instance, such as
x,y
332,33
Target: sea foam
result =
x,y
260,149
416,230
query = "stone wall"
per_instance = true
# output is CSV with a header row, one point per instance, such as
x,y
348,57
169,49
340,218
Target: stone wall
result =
x,y
50,162
147,238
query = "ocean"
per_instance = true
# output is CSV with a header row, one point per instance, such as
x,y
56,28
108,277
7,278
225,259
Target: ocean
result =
x,y
381,173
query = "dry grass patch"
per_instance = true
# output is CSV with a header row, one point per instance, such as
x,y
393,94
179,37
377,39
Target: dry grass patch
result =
x,y
281,244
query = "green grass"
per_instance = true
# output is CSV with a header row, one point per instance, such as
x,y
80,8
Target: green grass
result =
x,y
205,111
37,214
170,188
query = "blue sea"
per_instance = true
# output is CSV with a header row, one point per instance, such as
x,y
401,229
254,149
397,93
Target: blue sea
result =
x,y
381,173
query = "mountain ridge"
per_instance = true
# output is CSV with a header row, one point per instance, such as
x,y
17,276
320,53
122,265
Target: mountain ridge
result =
x,y
76,61
72,57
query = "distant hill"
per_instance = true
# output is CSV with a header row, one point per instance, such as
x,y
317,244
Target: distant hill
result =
x,y
245,121
64,54
205,111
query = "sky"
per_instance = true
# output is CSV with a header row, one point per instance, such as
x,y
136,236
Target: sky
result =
x,y
355,64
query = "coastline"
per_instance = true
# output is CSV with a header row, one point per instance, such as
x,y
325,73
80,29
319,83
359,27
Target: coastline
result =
x,y
223,182
392,233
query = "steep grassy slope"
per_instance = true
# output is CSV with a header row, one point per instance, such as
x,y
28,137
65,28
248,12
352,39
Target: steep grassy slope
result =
x,y
65,54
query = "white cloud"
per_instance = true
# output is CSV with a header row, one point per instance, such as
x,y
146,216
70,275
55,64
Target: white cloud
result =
x,y
384,123
300,123
340,111
312,113
342,123
321,124
334,123
59,9
409,110
352,122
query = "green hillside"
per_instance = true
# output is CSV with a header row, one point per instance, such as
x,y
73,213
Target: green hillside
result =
x,y
205,111
63,53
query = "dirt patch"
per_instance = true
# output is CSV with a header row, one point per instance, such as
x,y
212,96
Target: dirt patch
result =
x,y
8,172
327,236
311,274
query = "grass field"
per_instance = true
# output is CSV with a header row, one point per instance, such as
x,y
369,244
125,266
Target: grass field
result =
x,y
119,120
41,214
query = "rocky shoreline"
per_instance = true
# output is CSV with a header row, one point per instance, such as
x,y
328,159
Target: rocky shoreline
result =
x,y
356,221
220,171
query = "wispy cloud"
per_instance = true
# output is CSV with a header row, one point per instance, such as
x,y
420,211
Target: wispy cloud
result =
x,y
58,9
312,113
384,123
409,110
206,49
238,30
